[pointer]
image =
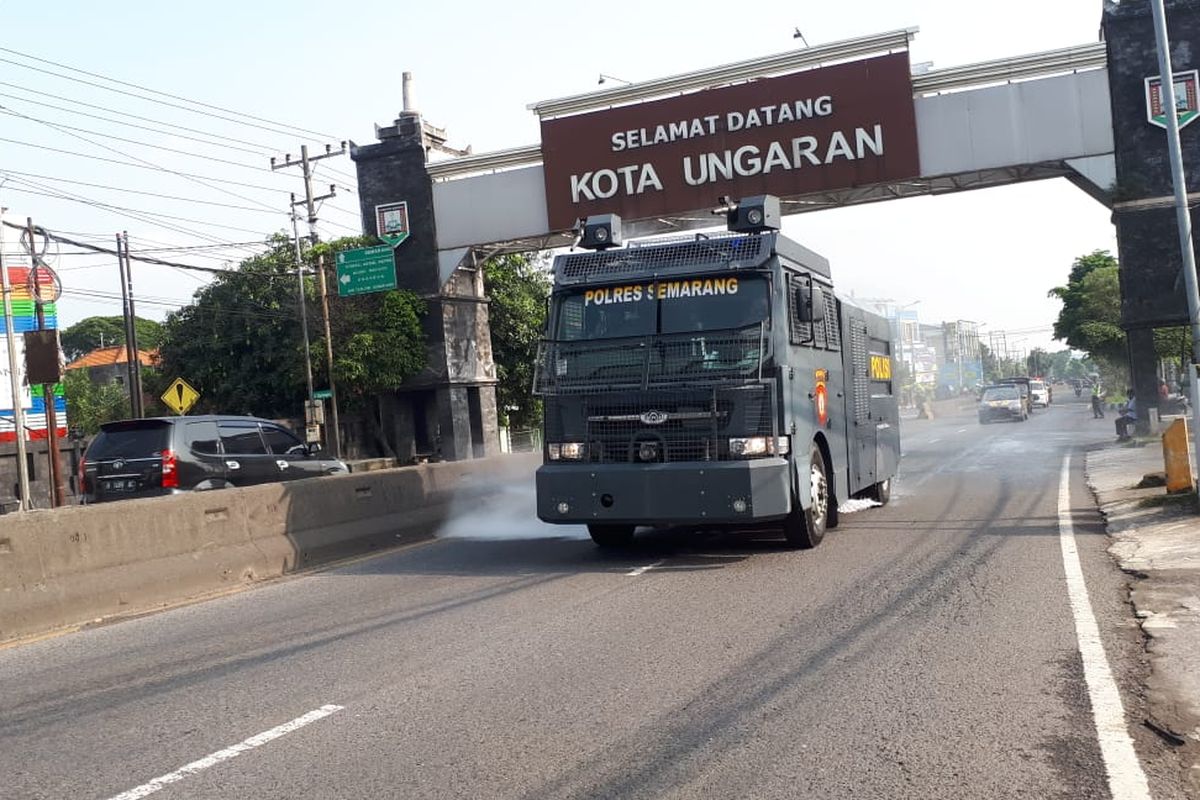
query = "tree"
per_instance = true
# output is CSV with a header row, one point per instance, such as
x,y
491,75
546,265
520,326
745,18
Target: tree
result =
x,y
240,343
89,406
1038,363
94,332
1090,318
517,287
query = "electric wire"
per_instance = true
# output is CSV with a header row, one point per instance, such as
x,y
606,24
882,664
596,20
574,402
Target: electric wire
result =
x,y
199,181
261,311
264,148
133,257
141,166
125,211
278,128
185,153
138,191
140,215
172,134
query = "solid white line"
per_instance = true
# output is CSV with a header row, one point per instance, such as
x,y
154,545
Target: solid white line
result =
x,y
961,430
1126,781
226,754
642,570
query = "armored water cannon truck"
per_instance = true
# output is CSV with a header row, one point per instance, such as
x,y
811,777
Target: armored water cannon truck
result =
x,y
710,381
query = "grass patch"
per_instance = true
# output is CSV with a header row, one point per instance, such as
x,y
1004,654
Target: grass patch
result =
x,y
1180,502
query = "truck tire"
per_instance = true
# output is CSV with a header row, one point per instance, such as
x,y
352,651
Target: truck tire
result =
x,y
611,535
805,527
881,492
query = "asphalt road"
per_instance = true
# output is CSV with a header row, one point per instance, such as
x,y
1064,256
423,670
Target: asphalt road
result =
x,y
925,650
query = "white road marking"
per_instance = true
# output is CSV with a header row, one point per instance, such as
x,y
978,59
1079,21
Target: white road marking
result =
x,y
1126,781
226,754
642,570
961,430
933,441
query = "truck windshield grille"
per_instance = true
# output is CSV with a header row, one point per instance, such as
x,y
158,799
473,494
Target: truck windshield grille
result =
x,y
655,258
662,426
645,361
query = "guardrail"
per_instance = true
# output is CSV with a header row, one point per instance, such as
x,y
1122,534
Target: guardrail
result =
x,y
65,567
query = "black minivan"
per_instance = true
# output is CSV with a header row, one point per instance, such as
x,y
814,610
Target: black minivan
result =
x,y
168,455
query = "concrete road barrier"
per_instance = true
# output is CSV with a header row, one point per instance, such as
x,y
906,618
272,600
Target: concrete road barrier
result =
x,y
72,565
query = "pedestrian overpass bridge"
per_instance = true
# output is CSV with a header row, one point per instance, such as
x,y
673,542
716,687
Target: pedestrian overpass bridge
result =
x,y
1031,117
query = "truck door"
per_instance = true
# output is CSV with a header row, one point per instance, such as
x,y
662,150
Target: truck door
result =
x,y
861,428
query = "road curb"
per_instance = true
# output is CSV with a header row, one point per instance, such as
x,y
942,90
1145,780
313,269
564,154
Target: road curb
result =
x,y
1156,539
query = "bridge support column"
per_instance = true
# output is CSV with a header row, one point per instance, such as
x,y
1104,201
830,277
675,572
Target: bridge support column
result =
x,y
1143,369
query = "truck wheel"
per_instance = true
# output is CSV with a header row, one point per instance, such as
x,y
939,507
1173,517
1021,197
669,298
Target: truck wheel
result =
x,y
805,527
611,535
881,492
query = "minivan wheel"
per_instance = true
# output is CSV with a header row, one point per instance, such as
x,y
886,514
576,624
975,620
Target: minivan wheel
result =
x,y
805,527
611,535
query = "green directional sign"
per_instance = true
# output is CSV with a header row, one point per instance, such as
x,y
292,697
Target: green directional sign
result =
x,y
322,394
366,270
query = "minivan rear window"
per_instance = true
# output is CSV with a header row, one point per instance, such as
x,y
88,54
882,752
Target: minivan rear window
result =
x,y
142,439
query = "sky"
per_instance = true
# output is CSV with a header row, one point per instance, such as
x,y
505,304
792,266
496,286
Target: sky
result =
x,y
274,75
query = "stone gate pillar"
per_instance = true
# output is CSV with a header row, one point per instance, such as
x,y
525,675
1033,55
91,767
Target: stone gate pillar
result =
x,y
1152,285
449,410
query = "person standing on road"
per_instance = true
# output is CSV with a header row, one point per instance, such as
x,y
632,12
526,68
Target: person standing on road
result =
x,y
1127,417
1097,402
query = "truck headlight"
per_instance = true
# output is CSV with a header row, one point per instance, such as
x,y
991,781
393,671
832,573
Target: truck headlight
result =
x,y
751,446
566,451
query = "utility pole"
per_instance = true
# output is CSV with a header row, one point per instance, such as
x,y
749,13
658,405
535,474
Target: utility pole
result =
x,y
14,380
303,311
132,365
309,202
58,491
1183,215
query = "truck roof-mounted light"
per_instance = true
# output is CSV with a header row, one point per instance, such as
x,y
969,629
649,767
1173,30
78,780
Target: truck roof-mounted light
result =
x,y
753,214
600,232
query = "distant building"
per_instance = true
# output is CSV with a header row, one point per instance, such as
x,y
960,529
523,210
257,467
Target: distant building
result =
x,y
106,365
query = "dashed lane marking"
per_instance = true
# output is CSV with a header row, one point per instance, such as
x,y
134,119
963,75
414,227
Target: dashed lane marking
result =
x,y
633,573
1126,781
229,752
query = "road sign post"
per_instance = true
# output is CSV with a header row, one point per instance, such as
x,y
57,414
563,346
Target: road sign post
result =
x,y
366,270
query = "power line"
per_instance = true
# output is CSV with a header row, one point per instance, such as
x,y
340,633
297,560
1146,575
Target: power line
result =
x,y
125,210
262,147
153,167
138,191
344,175
278,129
128,124
142,160
58,237
188,154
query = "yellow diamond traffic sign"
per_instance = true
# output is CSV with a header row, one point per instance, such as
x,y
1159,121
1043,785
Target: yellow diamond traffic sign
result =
x,y
180,396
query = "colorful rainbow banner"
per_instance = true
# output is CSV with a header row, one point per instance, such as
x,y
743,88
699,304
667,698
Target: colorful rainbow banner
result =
x,y
25,319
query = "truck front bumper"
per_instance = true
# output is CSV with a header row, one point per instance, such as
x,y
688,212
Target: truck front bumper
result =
x,y
717,492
